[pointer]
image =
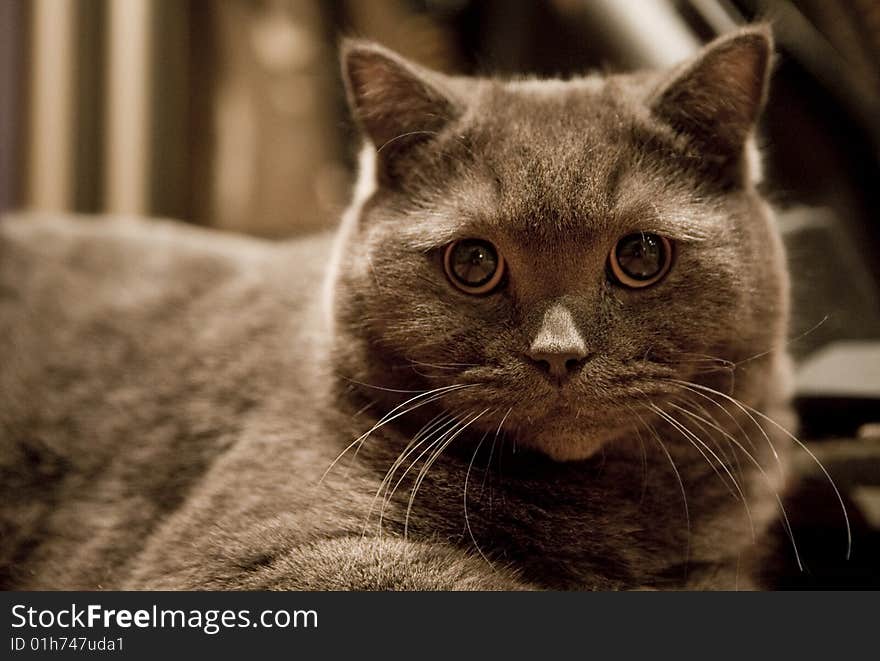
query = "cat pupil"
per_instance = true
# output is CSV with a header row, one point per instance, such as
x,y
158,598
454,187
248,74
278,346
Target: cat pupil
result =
x,y
640,255
474,263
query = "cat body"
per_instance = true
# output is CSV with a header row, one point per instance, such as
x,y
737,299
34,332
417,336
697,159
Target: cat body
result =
x,y
184,410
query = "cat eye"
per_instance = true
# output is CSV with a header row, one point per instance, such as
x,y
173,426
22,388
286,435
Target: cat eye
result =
x,y
641,259
473,265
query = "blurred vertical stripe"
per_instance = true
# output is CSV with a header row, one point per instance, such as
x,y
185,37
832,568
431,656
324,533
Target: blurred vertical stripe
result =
x,y
128,111
50,140
89,105
13,24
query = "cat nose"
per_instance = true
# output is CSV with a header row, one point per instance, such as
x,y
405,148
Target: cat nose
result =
x,y
558,363
558,347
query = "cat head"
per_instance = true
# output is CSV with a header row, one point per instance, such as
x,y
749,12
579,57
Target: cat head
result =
x,y
557,254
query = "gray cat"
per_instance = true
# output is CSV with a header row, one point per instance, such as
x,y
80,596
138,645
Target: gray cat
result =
x,y
547,353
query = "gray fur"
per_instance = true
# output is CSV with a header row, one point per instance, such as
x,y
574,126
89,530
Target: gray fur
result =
x,y
171,399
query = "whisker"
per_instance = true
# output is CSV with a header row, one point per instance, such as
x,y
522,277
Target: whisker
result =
x,y
709,418
787,341
492,452
644,466
785,520
706,358
733,458
690,386
688,433
467,521
824,471
375,387
401,136
417,440
441,437
687,514
431,395
697,445
440,430
364,408
424,471
442,366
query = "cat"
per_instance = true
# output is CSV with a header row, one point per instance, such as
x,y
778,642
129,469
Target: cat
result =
x,y
544,350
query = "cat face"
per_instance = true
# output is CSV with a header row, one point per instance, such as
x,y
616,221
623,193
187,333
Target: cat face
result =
x,y
562,251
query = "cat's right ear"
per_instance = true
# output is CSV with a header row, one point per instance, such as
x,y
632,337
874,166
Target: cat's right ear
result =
x,y
396,103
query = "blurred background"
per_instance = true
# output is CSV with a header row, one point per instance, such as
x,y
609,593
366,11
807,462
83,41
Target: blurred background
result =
x,y
231,114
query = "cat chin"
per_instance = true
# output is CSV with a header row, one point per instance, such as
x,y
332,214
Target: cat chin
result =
x,y
565,445
563,435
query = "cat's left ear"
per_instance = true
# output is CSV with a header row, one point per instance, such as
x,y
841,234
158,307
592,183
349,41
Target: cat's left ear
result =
x,y
397,103
715,99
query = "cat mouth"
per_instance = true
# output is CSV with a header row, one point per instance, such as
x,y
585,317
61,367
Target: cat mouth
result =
x,y
562,410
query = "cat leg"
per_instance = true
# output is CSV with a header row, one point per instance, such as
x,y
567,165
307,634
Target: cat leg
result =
x,y
348,563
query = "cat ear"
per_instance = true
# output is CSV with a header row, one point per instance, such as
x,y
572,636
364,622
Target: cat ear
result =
x,y
715,99
396,102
